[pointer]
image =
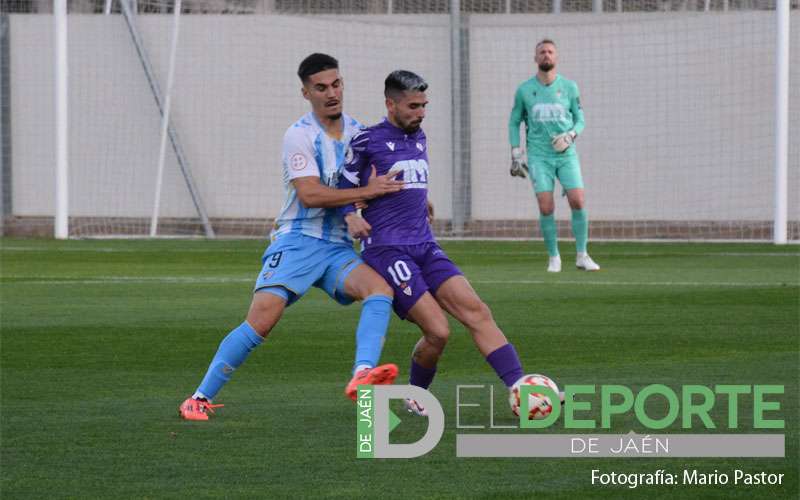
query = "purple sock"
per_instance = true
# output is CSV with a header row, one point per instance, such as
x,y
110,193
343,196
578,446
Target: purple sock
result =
x,y
506,363
421,376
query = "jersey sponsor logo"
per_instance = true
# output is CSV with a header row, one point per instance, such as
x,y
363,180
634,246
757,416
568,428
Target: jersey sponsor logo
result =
x,y
298,161
415,173
549,112
390,145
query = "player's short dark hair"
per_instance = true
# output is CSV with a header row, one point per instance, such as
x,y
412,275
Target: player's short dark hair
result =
x,y
315,63
545,40
400,81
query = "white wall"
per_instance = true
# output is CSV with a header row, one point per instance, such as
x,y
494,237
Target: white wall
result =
x,y
679,112
236,92
679,108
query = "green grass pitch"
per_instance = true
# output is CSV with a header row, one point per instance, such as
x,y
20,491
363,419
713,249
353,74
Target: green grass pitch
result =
x,y
101,340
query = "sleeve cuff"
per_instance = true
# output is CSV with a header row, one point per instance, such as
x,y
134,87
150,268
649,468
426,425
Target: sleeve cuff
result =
x,y
347,209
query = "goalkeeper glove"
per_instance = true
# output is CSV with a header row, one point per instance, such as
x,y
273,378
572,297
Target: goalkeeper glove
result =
x,y
562,142
518,166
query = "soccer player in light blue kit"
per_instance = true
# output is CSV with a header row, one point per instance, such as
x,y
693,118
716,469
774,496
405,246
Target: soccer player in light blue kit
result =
x,y
399,244
310,244
550,105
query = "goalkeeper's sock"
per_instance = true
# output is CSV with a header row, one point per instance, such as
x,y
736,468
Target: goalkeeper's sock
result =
x,y
506,364
580,229
421,376
549,233
375,315
232,352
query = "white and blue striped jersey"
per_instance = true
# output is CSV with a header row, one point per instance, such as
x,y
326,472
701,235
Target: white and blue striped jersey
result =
x,y
309,152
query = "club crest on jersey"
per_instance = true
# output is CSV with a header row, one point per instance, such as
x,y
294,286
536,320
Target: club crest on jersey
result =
x,y
348,155
420,147
390,145
298,161
406,288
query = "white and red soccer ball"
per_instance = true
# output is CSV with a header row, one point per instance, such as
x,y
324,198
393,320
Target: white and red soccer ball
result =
x,y
540,406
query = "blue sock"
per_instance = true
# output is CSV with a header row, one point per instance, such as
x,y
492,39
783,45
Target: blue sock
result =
x,y
375,314
232,352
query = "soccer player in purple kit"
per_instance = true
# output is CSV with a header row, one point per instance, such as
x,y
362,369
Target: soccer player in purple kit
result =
x,y
399,244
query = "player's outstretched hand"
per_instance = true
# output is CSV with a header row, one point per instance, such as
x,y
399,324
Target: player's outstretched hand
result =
x,y
518,166
357,226
563,141
380,185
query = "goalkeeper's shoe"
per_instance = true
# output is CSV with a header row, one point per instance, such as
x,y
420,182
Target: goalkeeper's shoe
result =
x,y
414,407
583,261
380,375
554,264
196,409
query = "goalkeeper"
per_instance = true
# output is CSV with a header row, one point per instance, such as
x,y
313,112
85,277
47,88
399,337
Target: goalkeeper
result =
x,y
550,105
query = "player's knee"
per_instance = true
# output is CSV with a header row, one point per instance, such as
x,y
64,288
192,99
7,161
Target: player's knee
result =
x,y
265,311
380,288
576,204
438,334
478,314
259,322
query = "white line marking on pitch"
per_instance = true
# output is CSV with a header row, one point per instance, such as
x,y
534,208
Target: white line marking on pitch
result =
x,y
451,251
122,280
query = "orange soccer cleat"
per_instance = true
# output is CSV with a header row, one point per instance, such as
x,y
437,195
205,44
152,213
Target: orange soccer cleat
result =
x,y
380,375
196,409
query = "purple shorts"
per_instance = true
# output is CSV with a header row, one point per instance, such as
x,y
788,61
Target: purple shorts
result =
x,y
411,270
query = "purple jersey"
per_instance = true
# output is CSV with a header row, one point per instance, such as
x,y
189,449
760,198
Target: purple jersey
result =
x,y
398,218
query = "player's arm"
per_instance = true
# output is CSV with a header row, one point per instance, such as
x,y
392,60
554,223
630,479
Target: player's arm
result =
x,y
516,117
563,141
304,174
313,194
519,167
355,169
577,112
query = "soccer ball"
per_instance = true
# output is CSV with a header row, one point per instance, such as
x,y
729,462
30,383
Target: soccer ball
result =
x,y
540,406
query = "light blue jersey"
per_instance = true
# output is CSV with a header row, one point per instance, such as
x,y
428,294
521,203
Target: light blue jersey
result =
x,y
309,152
